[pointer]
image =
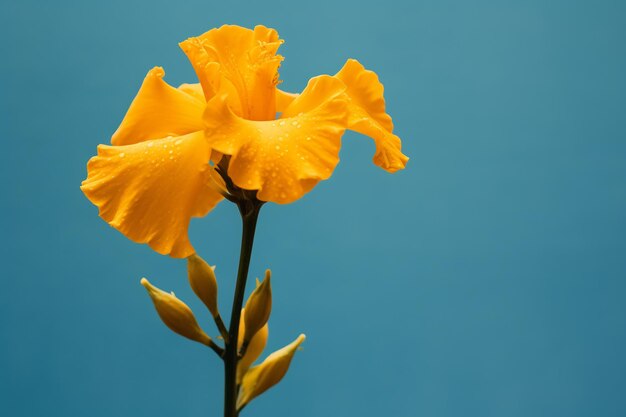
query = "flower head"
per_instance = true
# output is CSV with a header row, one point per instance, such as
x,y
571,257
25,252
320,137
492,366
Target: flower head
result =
x,y
159,173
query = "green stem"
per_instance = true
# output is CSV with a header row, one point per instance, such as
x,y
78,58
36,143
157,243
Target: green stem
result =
x,y
249,214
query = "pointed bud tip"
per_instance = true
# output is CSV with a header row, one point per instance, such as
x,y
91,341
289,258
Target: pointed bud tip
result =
x,y
152,290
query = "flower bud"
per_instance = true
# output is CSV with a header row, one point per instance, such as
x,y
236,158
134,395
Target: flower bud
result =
x,y
258,308
269,373
203,282
175,314
255,347
217,182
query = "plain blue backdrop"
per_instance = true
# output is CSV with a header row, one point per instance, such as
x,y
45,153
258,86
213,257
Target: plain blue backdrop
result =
x,y
488,279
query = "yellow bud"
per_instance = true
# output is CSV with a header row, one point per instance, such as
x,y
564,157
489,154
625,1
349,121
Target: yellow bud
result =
x,y
175,314
255,348
269,373
217,182
203,282
258,308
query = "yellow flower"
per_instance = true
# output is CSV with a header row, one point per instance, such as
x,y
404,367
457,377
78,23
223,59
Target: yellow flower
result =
x,y
158,173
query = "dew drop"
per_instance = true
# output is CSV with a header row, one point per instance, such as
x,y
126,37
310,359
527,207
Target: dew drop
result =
x,y
282,123
122,155
150,144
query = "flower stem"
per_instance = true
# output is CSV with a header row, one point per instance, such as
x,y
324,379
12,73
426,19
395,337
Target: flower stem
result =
x,y
249,210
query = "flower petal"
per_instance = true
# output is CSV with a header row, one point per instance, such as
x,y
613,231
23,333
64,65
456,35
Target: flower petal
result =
x,y
150,190
194,90
284,99
367,114
246,59
159,110
283,159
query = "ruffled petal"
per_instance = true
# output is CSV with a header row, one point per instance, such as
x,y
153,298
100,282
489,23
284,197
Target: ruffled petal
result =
x,y
282,159
150,190
242,57
159,110
367,114
194,90
284,99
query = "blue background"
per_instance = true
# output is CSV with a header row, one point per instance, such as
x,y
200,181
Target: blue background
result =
x,y
488,279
